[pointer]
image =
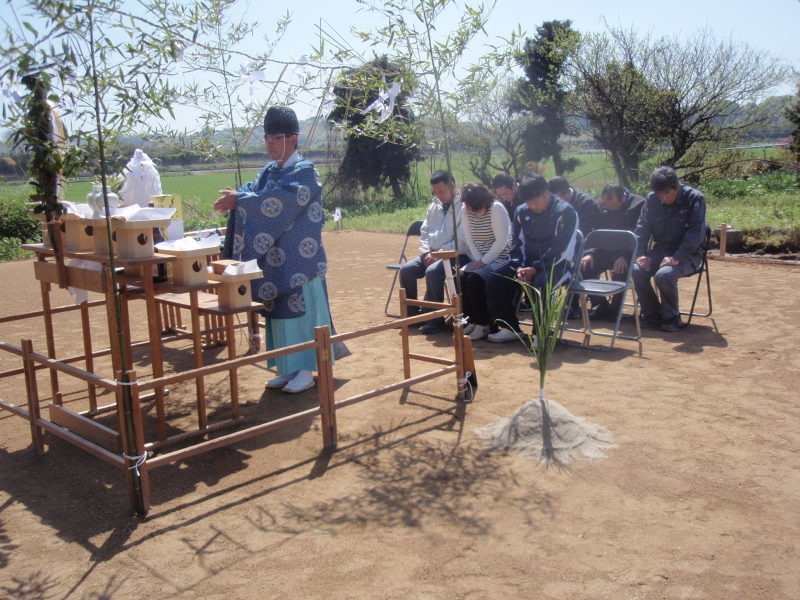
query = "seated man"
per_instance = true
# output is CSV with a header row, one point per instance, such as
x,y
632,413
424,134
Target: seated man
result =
x,y
543,242
506,188
674,218
618,208
437,233
582,202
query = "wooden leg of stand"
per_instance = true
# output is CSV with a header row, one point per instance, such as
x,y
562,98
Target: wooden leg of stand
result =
x,y
87,353
198,361
51,342
234,376
154,333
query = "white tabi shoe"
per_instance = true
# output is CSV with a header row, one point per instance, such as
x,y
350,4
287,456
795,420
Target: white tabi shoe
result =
x,y
280,381
504,335
468,328
301,382
479,332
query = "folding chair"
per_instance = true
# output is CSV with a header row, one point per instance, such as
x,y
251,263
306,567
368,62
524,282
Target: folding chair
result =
x,y
413,231
702,271
617,240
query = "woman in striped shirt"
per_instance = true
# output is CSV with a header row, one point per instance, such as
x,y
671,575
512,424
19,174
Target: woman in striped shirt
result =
x,y
486,231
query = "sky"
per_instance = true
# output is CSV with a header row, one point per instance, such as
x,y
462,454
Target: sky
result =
x,y
769,25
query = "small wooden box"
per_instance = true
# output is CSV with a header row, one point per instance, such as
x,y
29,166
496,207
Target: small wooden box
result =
x,y
234,293
135,238
78,234
190,266
100,236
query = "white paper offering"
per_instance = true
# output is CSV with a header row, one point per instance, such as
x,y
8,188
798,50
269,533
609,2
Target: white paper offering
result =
x,y
190,243
251,266
137,213
77,208
90,265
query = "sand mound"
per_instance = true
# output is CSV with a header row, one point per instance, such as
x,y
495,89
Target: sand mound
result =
x,y
545,430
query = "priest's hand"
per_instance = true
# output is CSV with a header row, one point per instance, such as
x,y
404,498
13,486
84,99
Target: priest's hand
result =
x,y
227,201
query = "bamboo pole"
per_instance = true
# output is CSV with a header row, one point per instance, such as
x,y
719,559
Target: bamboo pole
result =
x,y
723,239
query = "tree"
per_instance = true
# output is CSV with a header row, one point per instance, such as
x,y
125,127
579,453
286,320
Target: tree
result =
x,y
793,114
488,126
712,82
626,113
370,159
542,93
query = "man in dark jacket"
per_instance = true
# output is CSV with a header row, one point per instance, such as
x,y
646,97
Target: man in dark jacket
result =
x,y
506,189
582,202
543,242
618,208
674,218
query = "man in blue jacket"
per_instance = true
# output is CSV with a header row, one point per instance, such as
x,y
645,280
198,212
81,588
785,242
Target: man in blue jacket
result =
x,y
674,217
277,220
543,242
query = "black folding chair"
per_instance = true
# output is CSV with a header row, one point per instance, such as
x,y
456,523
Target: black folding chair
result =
x,y
413,231
702,272
615,240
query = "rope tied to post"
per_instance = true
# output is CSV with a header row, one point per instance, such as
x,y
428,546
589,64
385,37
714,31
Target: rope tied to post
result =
x,y
138,462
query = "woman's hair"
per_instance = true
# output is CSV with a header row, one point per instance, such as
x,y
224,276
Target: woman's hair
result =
x,y
477,196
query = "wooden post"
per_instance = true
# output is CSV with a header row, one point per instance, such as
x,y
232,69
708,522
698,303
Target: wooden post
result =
x,y
198,360
32,392
51,343
87,352
154,333
234,376
723,239
404,334
327,402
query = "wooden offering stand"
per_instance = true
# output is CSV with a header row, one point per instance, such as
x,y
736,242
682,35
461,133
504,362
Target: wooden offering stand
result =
x,y
232,297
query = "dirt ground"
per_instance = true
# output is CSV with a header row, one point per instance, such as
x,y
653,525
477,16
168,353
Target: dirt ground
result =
x,y
700,499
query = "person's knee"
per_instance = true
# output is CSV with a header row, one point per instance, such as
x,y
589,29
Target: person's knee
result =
x,y
666,276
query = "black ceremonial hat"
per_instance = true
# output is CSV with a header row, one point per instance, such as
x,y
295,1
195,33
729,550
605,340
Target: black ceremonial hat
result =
x,y
281,119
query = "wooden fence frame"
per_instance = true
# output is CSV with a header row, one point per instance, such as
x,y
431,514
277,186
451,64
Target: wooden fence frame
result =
x,y
106,444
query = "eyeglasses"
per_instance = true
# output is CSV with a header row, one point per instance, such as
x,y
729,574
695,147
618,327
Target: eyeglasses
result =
x,y
276,138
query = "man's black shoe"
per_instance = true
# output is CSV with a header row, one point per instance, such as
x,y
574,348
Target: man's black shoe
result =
x,y
432,327
672,325
650,322
602,312
574,313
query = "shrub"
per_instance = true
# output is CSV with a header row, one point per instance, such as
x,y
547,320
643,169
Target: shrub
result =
x,y
16,220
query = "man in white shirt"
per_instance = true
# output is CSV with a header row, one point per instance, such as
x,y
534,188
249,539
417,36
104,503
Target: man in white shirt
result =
x,y
437,233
